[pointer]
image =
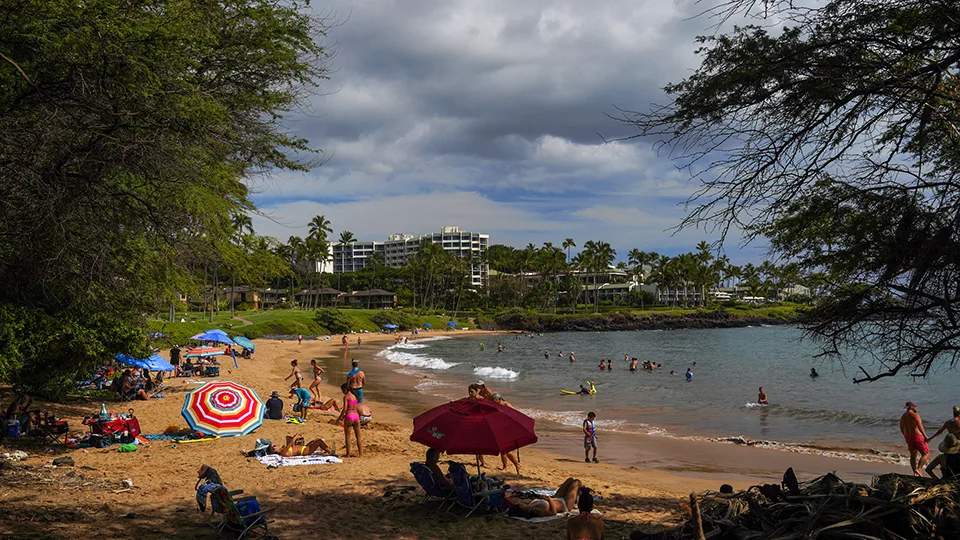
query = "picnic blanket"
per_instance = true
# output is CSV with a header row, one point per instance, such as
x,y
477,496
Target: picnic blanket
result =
x,y
274,460
565,515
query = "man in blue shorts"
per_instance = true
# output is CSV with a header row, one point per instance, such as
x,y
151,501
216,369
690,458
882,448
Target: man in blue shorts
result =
x,y
304,396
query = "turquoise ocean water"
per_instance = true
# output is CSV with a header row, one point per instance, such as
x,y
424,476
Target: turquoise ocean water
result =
x,y
828,414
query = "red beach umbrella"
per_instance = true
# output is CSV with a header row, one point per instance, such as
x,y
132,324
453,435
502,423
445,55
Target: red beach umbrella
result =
x,y
469,426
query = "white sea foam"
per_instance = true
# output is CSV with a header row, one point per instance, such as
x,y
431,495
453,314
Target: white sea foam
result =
x,y
433,338
496,373
753,405
409,346
414,360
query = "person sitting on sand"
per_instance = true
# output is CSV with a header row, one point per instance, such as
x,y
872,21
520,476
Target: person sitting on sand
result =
x,y
433,463
19,409
366,415
948,458
274,407
563,501
130,389
950,426
585,526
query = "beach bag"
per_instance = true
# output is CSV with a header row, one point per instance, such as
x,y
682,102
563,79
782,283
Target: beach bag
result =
x,y
247,508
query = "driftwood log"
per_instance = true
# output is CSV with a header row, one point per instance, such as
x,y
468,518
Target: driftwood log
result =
x,y
892,507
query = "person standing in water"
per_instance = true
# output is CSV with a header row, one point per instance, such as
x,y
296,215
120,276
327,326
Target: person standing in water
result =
x,y
603,365
689,374
482,346
609,365
633,365
590,438
546,354
762,397
572,359
911,427
813,372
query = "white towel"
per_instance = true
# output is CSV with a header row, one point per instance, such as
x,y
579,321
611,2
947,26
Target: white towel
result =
x,y
594,512
275,460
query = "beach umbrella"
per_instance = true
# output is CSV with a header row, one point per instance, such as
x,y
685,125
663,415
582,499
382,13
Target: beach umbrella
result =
x,y
243,342
223,408
451,323
470,426
390,325
153,363
426,325
203,352
214,335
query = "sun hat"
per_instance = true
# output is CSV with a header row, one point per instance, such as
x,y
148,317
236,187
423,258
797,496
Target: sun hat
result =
x,y
262,444
275,394
949,445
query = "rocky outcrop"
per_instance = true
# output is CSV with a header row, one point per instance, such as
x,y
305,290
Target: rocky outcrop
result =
x,y
632,321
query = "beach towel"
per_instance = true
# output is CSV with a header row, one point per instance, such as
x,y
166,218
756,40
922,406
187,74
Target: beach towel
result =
x,y
533,493
565,515
274,460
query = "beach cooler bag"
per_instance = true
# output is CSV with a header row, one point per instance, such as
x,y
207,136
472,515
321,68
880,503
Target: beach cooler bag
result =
x,y
246,508
13,428
211,371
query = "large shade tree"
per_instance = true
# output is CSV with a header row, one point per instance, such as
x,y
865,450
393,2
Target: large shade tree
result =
x,y
836,135
128,133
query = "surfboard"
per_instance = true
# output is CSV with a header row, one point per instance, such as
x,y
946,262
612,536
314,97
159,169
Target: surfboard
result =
x,y
593,390
569,392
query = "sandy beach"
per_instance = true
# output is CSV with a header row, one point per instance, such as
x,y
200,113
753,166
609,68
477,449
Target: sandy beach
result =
x,y
642,478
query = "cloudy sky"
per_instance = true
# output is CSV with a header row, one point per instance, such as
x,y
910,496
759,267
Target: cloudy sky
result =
x,y
490,115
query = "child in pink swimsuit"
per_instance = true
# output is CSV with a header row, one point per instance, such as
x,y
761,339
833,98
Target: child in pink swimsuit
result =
x,y
351,418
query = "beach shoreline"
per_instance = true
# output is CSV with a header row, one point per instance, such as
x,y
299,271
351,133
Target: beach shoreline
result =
x,y
89,499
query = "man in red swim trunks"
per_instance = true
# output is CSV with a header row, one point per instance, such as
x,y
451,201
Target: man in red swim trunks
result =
x,y
912,428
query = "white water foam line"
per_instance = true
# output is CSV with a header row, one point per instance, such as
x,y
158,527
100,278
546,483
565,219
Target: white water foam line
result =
x,y
409,346
414,360
496,373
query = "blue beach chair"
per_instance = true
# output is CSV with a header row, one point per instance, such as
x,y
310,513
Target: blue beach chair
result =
x,y
466,496
431,488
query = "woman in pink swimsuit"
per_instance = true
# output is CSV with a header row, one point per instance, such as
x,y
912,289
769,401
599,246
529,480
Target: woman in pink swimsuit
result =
x,y
351,418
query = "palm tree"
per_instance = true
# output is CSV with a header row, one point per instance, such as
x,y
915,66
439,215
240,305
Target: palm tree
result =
x,y
319,228
577,264
567,244
638,259
346,238
604,257
295,250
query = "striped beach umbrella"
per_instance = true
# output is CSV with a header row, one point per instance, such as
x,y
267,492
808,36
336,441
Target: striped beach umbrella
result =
x,y
203,352
223,408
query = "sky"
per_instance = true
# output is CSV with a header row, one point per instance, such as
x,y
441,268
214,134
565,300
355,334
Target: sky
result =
x,y
492,115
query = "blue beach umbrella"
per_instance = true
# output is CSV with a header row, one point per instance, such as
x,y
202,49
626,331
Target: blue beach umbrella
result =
x,y
153,363
243,342
390,325
451,323
427,325
214,335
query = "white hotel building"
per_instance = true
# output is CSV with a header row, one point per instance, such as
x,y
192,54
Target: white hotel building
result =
x,y
398,248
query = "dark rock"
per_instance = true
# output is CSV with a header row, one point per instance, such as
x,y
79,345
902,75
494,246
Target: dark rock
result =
x,y
71,474
65,461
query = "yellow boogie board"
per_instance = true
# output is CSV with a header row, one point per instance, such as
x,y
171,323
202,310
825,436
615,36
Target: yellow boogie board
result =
x,y
185,441
593,390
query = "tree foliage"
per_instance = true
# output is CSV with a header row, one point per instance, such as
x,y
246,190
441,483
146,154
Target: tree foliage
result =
x,y
127,132
837,138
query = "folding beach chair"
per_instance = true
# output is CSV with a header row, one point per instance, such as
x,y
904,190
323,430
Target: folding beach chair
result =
x,y
431,487
241,516
466,495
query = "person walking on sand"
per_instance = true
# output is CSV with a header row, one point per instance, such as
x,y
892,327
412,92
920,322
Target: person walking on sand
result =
x,y
351,418
315,385
356,379
358,342
762,397
911,426
296,374
590,438
343,341
299,339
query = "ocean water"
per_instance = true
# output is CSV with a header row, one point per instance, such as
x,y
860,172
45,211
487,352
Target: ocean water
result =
x,y
827,415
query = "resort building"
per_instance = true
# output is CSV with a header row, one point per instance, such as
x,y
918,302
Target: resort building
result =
x,y
398,248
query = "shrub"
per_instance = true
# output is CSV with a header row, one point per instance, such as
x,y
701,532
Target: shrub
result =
x,y
404,320
333,320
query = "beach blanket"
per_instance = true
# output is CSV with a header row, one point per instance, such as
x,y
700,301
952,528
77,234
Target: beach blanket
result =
x,y
566,515
273,460
533,493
